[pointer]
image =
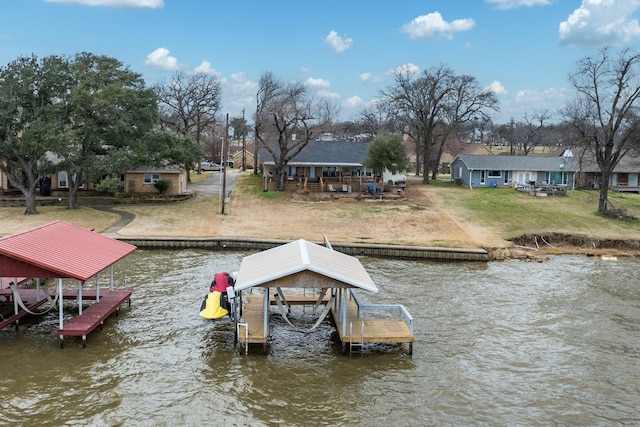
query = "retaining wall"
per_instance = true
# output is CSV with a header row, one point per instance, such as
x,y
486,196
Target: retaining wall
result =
x,y
354,249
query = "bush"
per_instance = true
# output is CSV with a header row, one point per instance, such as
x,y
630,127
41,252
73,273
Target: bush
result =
x,y
111,185
162,186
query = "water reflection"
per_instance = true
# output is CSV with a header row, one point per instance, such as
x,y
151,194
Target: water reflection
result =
x,y
496,344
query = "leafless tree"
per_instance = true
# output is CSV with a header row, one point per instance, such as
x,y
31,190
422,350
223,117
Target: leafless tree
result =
x,y
435,103
284,123
605,114
189,104
532,131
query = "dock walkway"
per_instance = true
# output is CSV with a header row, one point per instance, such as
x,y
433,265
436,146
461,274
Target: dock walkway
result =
x,y
94,315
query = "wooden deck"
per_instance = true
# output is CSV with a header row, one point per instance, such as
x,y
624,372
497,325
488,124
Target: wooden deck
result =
x,y
251,326
33,300
360,331
94,315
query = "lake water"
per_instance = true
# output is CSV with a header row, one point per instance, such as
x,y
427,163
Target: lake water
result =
x,y
503,343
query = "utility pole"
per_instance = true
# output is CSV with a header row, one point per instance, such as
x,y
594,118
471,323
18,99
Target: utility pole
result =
x,y
244,144
511,139
223,163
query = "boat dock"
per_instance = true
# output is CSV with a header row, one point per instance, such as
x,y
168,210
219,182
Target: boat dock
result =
x,y
90,317
60,251
325,277
354,331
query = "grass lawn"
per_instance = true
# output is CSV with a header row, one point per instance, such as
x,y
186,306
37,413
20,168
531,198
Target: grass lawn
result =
x,y
513,213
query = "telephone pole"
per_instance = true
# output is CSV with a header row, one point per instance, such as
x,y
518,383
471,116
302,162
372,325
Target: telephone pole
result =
x,y
223,163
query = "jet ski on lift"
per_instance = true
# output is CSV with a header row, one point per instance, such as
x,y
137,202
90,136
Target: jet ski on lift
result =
x,y
219,302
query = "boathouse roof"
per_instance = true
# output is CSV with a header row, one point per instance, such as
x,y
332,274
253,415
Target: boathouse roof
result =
x,y
303,264
59,250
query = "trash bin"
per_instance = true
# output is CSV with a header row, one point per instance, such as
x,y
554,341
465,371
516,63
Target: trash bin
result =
x,y
45,186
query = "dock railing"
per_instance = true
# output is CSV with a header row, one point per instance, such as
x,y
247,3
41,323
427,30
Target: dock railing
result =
x,y
403,313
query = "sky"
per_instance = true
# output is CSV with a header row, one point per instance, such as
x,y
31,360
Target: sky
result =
x,y
343,50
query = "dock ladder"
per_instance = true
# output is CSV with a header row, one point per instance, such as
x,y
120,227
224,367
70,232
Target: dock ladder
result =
x,y
356,346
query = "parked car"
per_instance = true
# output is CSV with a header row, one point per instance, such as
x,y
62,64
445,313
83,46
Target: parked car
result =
x,y
206,165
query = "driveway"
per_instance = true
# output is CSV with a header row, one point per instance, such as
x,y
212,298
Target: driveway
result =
x,y
212,186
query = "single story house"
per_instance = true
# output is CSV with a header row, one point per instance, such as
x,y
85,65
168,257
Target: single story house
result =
x,y
142,180
625,176
322,163
501,171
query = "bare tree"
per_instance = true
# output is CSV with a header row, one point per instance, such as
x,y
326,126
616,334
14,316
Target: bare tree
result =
x,y
533,130
328,114
435,104
605,115
284,124
189,104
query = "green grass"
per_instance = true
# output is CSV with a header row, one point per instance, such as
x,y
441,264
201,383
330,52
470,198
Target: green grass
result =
x,y
514,213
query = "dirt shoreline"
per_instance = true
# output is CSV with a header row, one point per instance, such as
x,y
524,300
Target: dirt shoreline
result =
x,y
424,218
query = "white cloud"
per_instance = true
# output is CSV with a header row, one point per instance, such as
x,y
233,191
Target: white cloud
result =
x,y
160,60
319,83
151,4
513,4
327,94
365,77
409,68
432,26
598,23
497,88
353,102
205,67
240,83
337,43
305,70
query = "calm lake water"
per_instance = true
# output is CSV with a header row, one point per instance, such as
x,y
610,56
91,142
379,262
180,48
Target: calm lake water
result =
x,y
498,344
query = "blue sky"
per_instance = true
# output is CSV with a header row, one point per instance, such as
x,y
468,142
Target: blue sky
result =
x,y
343,50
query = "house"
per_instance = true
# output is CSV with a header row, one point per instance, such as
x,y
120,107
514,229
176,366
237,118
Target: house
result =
x,y
142,180
625,176
456,147
502,171
322,163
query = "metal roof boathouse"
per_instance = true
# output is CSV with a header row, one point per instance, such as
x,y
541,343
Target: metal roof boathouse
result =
x,y
326,277
58,251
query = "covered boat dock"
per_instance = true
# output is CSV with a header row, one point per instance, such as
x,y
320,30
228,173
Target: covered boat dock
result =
x,y
58,251
327,278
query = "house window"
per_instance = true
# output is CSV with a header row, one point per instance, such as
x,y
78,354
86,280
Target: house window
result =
x,y
63,179
151,178
495,174
483,177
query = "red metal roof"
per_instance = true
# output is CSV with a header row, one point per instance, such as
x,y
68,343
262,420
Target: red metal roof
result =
x,y
59,250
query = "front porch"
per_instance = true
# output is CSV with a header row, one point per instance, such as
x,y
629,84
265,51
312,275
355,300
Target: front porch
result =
x,y
342,186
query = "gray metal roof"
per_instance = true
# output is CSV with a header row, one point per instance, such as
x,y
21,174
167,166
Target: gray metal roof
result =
x,y
336,153
266,268
522,163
